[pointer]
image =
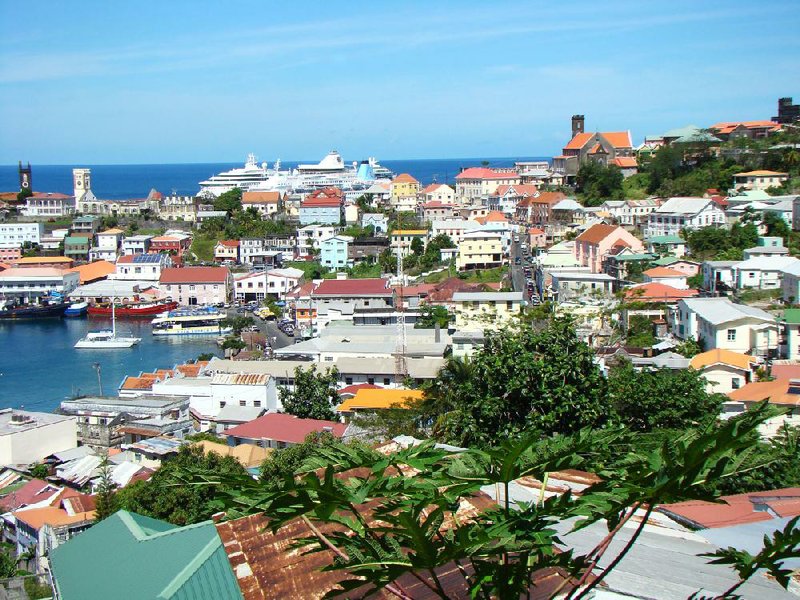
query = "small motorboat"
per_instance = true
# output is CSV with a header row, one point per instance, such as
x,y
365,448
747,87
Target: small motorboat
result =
x,y
77,309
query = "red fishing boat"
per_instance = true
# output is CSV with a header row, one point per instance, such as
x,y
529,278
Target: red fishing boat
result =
x,y
133,309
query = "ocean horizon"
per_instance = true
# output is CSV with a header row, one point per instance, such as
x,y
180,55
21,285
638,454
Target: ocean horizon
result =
x,y
121,181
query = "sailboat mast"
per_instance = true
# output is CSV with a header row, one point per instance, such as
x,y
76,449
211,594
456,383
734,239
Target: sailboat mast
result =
x,y
113,317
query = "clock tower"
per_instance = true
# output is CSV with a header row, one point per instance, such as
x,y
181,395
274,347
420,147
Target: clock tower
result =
x,y
25,178
82,182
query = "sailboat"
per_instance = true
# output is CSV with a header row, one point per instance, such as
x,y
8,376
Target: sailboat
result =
x,y
107,338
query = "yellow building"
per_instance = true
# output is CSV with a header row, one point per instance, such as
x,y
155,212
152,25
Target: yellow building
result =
x,y
404,193
479,250
485,310
401,240
370,399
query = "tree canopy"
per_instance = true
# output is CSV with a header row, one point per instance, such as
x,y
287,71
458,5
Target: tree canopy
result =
x,y
165,496
314,395
527,379
597,182
663,398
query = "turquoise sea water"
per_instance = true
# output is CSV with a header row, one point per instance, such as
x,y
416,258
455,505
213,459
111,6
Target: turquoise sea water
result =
x,y
39,366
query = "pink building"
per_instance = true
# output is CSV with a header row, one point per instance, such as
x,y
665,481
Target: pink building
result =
x,y
594,244
537,238
10,254
190,286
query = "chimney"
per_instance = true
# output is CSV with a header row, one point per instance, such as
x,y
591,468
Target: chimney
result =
x,y
217,517
577,124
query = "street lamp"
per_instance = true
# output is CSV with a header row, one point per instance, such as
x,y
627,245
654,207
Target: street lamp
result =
x,y
96,367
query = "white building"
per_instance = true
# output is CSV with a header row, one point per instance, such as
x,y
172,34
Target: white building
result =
x,y
28,437
719,323
439,192
453,228
575,285
107,245
677,214
49,205
378,221
141,267
763,272
30,283
14,235
257,285
245,391
136,244
310,237
790,284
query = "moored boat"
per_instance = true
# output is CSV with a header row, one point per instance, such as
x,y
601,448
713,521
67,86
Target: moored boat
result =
x,y
76,309
32,311
135,309
190,321
107,338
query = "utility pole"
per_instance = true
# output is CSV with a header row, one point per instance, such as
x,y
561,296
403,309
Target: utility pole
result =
x,y
400,365
96,367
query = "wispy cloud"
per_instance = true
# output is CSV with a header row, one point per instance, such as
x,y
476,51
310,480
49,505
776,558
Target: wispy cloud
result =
x,y
311,42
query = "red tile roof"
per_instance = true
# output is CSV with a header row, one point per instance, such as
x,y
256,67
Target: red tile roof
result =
x,y
788,371
260,197
284,428
230,243
728,126
353,287
321,202
36,490
52,195
657,292
194,275
579,141
738,509
485,173
550,198
626,162
597,233
520,189
663,272
435,186
351,390
437,204
404,178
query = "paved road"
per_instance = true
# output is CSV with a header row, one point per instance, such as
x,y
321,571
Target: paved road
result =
x,y
275,337
518,279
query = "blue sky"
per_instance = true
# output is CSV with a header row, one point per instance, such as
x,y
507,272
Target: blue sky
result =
x,y
172,81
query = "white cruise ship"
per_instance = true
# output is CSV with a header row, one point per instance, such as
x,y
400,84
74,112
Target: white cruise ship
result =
x,y
331,171
242,177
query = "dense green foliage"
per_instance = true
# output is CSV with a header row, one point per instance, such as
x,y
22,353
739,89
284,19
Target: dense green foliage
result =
x,y
721,244
640,332
597,183
432,315
661,399
383,524
230,201
165,496
529,379
314,395
237,323
106,504
423,260
39,471
285,462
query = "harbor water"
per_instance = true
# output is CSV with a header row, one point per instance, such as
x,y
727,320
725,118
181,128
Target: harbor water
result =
x,y
114,182
39,366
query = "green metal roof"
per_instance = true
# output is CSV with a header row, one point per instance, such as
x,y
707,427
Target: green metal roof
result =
x,y
666,239
634,257
139,558
791,315
77,241
665,261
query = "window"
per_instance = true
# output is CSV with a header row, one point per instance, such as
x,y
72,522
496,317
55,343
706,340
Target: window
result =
x,y
257,403
735,383
371,380
348,380
731,335
386,381
222,404
242,402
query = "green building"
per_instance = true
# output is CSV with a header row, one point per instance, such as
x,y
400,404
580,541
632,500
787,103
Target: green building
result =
x,y
138,558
